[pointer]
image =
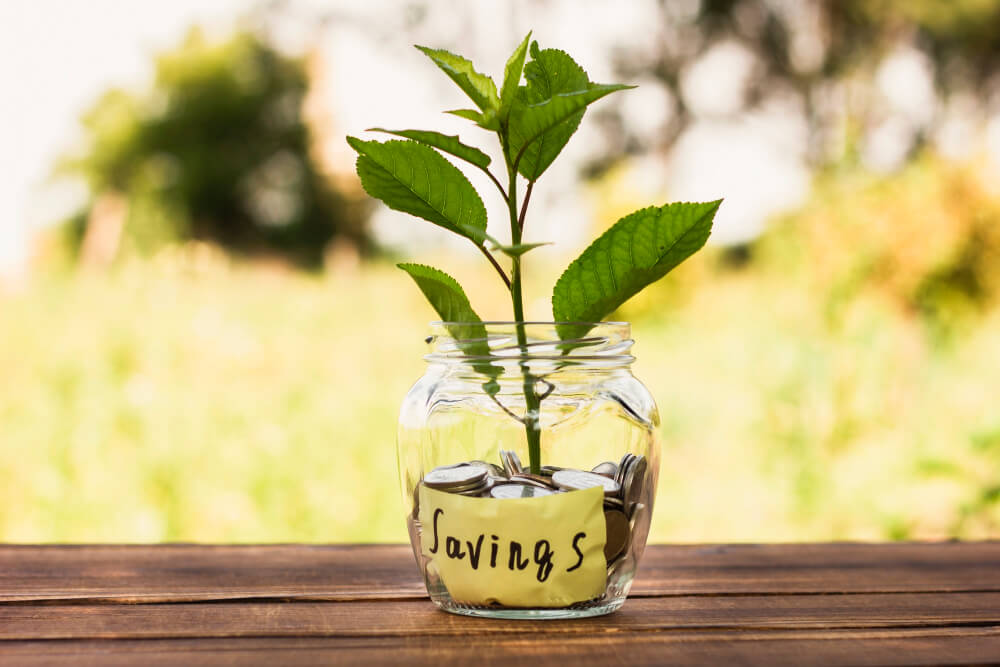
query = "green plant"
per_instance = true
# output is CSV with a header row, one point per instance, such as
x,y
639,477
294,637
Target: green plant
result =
x,y
533,123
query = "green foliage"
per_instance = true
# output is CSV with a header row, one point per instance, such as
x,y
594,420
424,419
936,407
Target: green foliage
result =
x,y
551,72
217,151
479,87
518,249
543,115
638,250
449,301
512,77
532,123
926,239
445,142
410,177
486,121
261,383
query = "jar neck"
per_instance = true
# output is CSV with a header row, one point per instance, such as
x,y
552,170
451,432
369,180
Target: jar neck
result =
x,y
508,349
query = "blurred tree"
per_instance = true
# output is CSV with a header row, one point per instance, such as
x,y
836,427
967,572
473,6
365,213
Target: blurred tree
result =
x,y
858,74
802,49
926,238
218,151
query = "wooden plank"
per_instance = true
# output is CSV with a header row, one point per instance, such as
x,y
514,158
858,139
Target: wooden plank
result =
x,y
420,618
821,568
834,647
165,573
189,572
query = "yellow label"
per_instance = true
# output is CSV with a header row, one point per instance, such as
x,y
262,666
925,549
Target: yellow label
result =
x,y
519,552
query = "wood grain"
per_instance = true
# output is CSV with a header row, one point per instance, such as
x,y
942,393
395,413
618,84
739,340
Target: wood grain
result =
x,y
298,604
165,573
845,647
411,618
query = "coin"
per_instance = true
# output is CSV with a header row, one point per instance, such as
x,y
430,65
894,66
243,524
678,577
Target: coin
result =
x,y
580,479
613,503
471,489
622,467
519,491
608,469
448,478
494,469
549,470
511,462
534,480
618,534
635,478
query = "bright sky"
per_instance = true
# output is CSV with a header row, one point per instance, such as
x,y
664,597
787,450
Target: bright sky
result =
x,y
57,56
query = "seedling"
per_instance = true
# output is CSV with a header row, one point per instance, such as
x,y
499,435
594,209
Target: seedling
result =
x,y
533,122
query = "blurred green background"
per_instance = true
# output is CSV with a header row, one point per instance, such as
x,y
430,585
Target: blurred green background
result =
x,y
212,343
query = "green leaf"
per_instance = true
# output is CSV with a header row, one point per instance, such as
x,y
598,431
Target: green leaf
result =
x,y
449,301
517,249
535,121
543,127
512,77
468,114
550,72
451,304
638,250
487,120
416,179
477,86
540,127
449,143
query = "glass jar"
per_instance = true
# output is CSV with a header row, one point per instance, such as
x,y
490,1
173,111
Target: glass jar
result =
x,y
500,530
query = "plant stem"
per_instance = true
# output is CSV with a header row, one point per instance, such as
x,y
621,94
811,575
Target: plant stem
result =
x,y
493,261
531,401
524,206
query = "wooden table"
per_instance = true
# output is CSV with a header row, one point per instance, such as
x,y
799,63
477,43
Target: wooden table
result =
x,y
295,604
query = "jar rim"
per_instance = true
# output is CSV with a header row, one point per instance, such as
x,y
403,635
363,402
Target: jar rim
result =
x,y
549,343
616,323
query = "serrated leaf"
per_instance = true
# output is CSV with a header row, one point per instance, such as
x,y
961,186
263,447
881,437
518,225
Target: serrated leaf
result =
x,y
416,179
449,143
512,77
449,301
487,120
517,249
479,87
549,73
638,250
530,124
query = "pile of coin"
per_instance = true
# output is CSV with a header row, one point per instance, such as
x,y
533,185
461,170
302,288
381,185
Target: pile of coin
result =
x,y
622,483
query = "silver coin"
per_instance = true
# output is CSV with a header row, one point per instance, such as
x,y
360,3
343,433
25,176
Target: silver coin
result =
x,y
515,462
519,491
618,534
494,469
623,468
581,479
534,480
468,489
445,478
608,469
507,462
635,478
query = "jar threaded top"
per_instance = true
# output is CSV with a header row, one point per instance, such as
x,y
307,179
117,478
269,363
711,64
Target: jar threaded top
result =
x,y
546,347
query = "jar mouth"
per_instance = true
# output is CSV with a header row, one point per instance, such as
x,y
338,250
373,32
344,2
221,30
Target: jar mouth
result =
x,y
547,345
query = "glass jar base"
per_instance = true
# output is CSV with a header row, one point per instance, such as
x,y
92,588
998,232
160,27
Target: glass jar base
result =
x,y
583,610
